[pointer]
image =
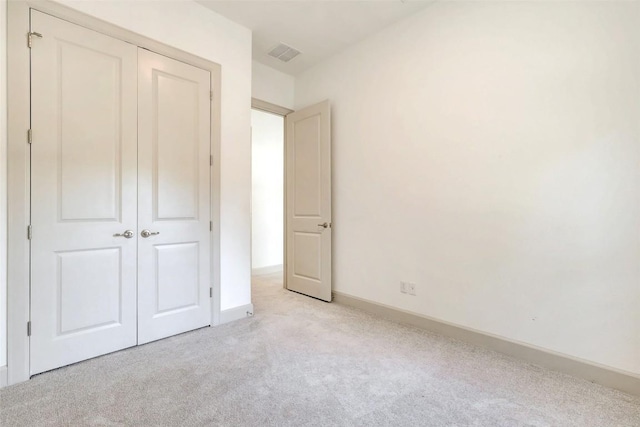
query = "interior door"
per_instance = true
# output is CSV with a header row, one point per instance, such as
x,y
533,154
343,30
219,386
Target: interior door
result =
x,y
174,197
308,201
83,193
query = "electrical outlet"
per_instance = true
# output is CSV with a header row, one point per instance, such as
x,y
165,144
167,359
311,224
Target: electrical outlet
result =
x,y
411,288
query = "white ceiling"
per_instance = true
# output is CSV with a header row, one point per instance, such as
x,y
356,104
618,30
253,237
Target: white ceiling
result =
x,y
319,29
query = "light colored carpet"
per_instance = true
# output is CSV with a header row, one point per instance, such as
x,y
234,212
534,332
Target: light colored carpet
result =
x,y
301,362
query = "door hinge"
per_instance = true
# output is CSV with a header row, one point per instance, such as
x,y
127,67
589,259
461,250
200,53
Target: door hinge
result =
x,y
210,225
28,232
211,95
210,160
29,136
30,37
29,328
210,292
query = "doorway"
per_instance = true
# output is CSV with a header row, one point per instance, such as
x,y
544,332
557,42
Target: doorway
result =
x,y
304,177
267,192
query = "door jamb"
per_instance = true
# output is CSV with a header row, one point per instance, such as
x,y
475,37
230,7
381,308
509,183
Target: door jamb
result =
x,y
18,163
268,107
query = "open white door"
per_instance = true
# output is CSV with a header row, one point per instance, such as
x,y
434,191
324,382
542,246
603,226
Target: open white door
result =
x,y
174,197
83,193
308,201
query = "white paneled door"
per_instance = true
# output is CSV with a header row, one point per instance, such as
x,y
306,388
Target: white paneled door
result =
x,y
120,195
308,196
174,167
83,193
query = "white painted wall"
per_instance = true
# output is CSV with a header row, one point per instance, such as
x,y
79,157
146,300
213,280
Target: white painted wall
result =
x,y
490,153
272,86
267,176
195,29
3,182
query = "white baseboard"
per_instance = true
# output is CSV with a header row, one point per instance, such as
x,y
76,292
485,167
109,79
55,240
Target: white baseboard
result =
x,y
600,374
3,376
270,269
236,313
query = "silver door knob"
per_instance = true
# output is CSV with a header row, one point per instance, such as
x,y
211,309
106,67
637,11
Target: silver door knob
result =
x,y
127,234
324,225
147,233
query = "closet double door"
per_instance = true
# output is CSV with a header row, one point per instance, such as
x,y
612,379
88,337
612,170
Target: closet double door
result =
x,y
120,195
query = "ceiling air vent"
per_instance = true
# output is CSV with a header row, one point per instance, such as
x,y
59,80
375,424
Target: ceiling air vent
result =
x,y
284,53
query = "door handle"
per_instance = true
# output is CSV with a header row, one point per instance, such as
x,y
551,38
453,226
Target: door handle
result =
x,y
127,234
147,233
324,225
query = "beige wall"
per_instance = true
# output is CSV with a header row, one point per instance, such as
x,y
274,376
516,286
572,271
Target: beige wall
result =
x,y
272,86
490,153
3,182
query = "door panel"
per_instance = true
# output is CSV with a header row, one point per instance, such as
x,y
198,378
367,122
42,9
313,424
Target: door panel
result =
x,y
177,147
177,272
83,192
82,307
174,149
89,140
308,195
307,182
308,266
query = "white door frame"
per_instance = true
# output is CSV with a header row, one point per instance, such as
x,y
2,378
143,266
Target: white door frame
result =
x,y
18,173
268,107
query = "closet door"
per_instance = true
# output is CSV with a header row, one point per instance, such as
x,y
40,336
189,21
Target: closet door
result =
x,y
173,190
83,193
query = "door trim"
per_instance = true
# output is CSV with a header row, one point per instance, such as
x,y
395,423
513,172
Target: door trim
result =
x,y
18,172
258,104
